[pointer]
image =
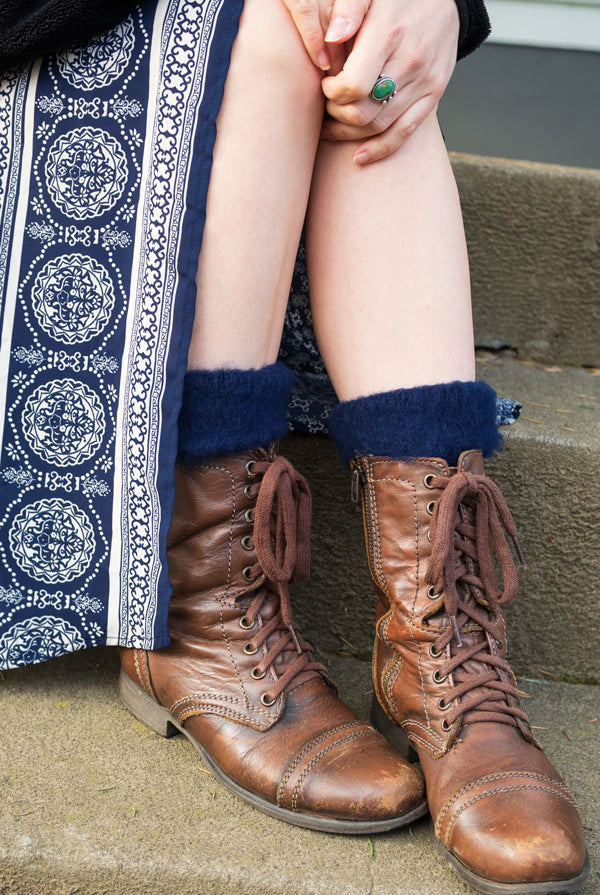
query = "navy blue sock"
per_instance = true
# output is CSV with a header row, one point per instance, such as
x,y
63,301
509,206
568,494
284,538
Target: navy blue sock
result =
x,y
426,421
225,411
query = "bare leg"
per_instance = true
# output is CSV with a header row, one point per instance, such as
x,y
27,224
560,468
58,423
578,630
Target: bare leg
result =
x,y
268,131
388,268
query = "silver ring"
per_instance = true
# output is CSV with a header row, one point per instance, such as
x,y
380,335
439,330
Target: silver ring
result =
x,y
383,90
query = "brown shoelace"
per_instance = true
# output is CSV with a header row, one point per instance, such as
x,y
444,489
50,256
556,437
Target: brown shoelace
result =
x,y
281,521
462,571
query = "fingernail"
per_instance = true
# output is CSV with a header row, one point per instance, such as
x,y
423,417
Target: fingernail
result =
x,y
338,27
323,60
359,158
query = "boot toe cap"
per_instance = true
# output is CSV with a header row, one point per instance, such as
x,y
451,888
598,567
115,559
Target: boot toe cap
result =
x,y
355,777
517,834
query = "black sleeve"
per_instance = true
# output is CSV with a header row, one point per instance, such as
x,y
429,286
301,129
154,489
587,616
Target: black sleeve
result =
x,y
474,25
32,28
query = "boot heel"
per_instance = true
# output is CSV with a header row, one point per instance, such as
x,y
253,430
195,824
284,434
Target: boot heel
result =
x,y
144,708
392,732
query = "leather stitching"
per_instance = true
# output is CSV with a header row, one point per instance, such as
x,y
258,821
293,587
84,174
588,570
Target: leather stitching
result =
x,y
492,778
367,732
504,789
304,750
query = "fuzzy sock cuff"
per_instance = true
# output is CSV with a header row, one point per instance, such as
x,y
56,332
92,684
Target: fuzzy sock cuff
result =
x,y
426,421
225,411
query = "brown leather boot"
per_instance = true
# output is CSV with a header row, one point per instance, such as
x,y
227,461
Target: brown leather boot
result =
x,y
503,817
239,680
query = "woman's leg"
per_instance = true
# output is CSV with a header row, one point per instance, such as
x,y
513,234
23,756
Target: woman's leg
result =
x,y
238,678
388,268
390,292
267,134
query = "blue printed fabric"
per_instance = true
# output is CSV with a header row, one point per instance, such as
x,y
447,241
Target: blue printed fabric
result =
x,y
104,164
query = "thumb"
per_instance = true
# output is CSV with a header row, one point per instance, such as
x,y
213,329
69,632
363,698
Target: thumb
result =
x,y
346,18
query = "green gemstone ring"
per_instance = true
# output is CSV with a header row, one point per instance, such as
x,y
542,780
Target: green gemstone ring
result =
x,y
383,89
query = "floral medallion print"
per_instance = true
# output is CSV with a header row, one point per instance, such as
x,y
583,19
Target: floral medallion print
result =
x,y
98,64
38,639
86,172
52,540
105,155
72,298
64,422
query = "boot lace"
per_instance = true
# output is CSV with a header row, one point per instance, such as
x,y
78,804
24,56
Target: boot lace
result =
x,y
282,542
468,528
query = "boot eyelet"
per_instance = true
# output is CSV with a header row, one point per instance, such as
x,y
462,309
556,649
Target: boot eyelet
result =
x,y
247,574
247,543
248,492
432,594
439,678
250,650
249,468
433,652
258,675
245,624
443,706
499,644
428,480
266,701
445,726
430,507
429,536
249,515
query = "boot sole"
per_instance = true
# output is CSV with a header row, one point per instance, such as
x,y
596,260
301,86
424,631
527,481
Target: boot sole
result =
x,y
158,719
492,887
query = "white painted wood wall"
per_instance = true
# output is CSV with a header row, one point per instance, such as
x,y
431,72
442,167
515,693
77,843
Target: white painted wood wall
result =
x,y
565,24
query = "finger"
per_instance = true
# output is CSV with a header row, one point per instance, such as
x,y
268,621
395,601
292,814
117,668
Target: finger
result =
x,y
385,144
362,113
306,16
346,18
368,59
335,132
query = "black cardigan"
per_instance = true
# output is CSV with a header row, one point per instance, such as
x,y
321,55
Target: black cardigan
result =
x,y
31,28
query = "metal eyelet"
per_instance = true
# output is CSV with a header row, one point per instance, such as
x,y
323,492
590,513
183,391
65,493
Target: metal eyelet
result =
x,y
429,536
499,644
430,506
247,574
433,652
266,701
248,492
250,650
443,706
432,594
244,623
249,515
438,678
428,480
249,467
445,726
247,543
258,675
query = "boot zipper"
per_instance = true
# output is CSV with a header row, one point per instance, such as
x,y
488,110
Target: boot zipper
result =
x,y
358,479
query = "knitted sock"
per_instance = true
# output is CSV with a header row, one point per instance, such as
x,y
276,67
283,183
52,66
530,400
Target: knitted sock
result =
x,y
426,421
225,411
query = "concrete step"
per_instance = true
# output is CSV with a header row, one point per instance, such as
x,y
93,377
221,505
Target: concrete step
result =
x,y
93,803
548,472
534,243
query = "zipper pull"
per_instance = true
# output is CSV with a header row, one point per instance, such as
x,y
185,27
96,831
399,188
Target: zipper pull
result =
x,y
357,478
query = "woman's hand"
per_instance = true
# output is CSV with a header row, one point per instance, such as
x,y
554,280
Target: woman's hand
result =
x,y
312,18
412,41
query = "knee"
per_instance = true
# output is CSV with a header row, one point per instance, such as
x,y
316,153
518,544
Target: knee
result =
x,y
271,49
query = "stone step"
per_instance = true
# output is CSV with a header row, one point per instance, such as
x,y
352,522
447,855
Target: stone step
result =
x,y
534,245
547,472
93,803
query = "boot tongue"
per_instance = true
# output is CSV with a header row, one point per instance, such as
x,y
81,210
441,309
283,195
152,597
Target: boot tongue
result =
x,y
471,461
